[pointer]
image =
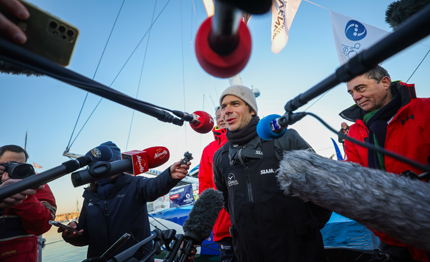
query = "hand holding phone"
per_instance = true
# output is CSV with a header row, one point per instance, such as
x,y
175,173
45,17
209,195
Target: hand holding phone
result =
x,y
68,231
8,29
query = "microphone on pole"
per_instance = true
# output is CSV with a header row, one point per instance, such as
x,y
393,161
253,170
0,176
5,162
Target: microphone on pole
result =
x,y
274,126
396,206
134,162
200,121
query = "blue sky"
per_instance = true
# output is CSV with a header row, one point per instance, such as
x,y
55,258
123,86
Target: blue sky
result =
x,y
172,78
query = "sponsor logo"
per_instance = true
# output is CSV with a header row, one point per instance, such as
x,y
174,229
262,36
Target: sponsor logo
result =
x,y
141,163
96,152
267,171
174,196
232,180
90,204
279,24
160,154
355,30
121,195
258,152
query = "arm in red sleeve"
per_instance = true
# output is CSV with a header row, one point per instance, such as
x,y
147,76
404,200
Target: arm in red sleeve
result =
x,y
36,211
206,179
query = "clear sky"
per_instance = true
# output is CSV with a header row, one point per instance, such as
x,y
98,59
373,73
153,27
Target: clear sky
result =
x,y
172,78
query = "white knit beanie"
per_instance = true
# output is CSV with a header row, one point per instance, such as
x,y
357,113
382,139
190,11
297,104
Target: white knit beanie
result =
x,y
243,93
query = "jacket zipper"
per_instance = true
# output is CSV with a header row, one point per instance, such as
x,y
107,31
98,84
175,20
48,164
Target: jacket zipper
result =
x,y
248,180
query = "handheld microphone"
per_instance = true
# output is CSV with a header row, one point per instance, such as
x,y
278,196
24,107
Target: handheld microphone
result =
x,y
134,162
396,206
202,217
274,126
200,121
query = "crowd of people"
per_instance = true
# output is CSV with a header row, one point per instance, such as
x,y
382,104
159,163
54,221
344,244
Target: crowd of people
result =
x,y
258,221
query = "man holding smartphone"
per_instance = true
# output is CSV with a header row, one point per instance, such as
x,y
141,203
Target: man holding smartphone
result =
x,y
8,29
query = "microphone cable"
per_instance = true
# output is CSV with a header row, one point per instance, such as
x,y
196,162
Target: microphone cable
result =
x,y
373,147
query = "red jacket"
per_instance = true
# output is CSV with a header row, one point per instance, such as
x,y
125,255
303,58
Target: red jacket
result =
x,y
408,134
21,224
206,180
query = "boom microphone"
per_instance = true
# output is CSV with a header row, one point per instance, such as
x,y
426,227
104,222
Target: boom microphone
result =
x,y
202,217
200,121
134,162
399,11
396,206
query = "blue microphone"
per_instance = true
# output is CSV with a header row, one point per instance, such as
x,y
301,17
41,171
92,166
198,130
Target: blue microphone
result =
x,y
267,125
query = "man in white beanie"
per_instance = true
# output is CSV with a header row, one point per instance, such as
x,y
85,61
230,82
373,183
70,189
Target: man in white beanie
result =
x,y
266,224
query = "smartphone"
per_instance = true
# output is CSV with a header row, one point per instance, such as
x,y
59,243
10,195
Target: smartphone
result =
x,y
47,35
58,224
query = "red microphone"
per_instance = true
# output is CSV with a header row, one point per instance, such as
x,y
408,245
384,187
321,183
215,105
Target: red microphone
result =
x,y
200,121
141,161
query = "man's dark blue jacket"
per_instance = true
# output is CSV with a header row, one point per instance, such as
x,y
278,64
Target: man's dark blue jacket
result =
x,y
124,211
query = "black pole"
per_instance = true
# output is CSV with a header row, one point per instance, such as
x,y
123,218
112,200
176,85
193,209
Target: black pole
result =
x,y
17,55
410,32
44,177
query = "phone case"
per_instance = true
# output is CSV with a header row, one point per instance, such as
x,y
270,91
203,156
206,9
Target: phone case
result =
x,y
47,35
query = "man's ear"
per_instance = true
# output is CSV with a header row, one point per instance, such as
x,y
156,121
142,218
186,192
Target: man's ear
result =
x,y
252,112
386,81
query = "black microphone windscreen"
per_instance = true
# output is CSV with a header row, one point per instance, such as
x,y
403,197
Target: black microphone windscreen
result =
x,y
385,202
202,217
399,11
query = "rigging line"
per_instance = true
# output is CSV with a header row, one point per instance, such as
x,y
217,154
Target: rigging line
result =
x,y
317,100
141,73
97,68
158,221
183,69
317,5
418,66
125,65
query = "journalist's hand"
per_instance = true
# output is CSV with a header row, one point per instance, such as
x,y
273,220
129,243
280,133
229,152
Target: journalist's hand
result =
x,y
67,233
17,198
8,29
179,171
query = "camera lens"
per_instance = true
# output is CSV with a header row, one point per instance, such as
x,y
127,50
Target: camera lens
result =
x,y
64,37
70,32
20,171
53,24
55,33
62,29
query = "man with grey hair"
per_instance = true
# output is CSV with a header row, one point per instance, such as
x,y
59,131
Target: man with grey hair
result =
x,y
389,115
266,224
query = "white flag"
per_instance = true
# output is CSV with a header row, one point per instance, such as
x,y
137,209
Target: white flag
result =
x,y
283,12
352,36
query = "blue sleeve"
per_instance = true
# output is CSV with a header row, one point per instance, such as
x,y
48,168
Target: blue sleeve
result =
x,y
149,189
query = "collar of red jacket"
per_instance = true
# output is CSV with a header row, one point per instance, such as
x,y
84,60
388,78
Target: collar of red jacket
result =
x,y
219,133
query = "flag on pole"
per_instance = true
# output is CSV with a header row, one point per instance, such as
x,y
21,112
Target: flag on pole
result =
x,y
37,166
283,12
352,36
336,148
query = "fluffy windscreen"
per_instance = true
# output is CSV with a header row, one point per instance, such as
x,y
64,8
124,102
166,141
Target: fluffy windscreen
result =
x,y
385,202
9,68
399,11
204,214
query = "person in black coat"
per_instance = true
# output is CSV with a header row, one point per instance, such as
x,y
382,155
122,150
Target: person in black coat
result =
x,y
117,205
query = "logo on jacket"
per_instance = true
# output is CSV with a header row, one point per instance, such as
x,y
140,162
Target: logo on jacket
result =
x,y
90,204
407,118
267,171
258,152
232,180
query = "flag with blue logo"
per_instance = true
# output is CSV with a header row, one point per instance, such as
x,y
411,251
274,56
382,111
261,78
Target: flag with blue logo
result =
x,y
352,36
283,12
181,196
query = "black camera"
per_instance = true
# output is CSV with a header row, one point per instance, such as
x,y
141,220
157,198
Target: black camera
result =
x,y
18,171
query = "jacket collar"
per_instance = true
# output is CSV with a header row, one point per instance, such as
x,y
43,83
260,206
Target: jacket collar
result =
x,y
406,91
220,135
122,181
